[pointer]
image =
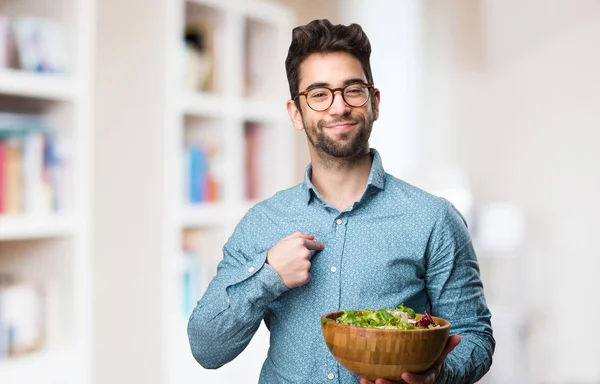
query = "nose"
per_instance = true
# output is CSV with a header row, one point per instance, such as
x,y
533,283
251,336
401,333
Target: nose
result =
x,y
339,106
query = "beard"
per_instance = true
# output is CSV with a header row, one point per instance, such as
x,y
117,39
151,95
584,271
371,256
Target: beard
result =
x,y
347,144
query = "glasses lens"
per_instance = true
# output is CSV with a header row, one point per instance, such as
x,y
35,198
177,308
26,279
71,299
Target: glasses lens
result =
x,y
319,99
356,94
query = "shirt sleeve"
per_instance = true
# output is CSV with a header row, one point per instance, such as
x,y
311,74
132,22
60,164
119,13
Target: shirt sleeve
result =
x,y
456,293
235,302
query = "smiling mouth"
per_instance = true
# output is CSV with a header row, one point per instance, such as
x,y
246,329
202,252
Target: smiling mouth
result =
x,y
343,125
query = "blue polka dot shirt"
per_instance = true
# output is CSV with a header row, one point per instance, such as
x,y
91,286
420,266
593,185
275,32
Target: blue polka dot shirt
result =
x,y
397,244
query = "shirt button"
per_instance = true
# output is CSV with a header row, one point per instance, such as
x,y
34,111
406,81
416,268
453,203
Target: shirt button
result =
x,y
333,269
339,221
330,376
251,269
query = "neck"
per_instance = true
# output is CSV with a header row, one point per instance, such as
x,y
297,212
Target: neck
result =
x,y
340,181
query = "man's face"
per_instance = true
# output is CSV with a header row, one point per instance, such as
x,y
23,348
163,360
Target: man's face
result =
x,y
341,131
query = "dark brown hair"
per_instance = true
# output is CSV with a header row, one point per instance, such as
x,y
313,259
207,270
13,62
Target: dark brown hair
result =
x,y
320,36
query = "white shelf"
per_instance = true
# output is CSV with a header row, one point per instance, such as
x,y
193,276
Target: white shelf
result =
x,y
216,4
205,215
214,105
20,227
203,104
260,110
38,85
43,367
213,214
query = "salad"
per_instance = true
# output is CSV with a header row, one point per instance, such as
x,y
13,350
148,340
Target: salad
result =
x,y
401,317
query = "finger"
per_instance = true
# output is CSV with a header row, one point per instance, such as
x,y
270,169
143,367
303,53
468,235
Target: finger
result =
x,y
365,381
452,342
384,381
301,235
313,245
429,376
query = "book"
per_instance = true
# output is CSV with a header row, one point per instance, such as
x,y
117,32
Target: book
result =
x,y
3,180
12,203
197,174
202,183
33,169
32,166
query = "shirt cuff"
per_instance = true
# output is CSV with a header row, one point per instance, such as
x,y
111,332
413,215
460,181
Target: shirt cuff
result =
x,y
261,286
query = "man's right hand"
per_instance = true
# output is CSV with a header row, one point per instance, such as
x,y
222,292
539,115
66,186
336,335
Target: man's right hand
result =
x,y
290,258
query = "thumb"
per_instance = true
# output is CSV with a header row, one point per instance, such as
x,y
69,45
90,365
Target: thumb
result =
x,y
452,342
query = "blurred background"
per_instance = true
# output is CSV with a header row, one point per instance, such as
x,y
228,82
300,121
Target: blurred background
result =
x,y
135,134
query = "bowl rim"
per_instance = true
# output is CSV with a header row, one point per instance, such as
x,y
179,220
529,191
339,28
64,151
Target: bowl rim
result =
x,y
371,329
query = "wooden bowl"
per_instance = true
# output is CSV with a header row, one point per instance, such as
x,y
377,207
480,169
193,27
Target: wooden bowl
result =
x,y
384,353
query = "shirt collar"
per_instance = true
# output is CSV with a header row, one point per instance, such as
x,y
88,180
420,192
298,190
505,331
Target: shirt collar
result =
x,y
376,178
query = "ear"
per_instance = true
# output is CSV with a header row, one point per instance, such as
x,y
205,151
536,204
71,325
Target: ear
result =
x,y
295,115
375,103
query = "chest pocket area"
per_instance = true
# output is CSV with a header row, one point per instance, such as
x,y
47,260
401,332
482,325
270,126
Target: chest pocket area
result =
x,y
382,276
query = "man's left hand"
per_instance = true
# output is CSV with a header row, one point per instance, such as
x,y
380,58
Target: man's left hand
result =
x,y
427,377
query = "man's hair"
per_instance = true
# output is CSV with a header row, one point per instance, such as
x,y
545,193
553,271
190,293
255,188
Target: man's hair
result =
x,y
320,36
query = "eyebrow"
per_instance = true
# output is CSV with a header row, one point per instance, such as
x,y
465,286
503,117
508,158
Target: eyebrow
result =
x,y
346,82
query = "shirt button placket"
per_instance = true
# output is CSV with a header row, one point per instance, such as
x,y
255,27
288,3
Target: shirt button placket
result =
x,y
333,268
335,264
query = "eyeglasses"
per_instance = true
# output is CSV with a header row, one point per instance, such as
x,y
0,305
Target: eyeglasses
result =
x,y
321,98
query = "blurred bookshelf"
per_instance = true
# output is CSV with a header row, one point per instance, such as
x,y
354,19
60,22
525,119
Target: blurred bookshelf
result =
x,y
45,258
231,142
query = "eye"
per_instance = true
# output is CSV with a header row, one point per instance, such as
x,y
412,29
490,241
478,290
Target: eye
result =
x,y
355,90
318,94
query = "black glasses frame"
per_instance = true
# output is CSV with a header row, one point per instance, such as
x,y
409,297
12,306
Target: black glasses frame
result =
x,y
333,91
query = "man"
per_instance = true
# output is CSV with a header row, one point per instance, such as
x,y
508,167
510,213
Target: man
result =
x,y
349,237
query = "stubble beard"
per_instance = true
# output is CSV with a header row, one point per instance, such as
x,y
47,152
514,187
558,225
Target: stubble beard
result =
x,y
344,148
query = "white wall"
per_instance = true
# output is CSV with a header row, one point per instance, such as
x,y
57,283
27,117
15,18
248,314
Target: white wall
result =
x,y
394,29
525,91
128,186
505,96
